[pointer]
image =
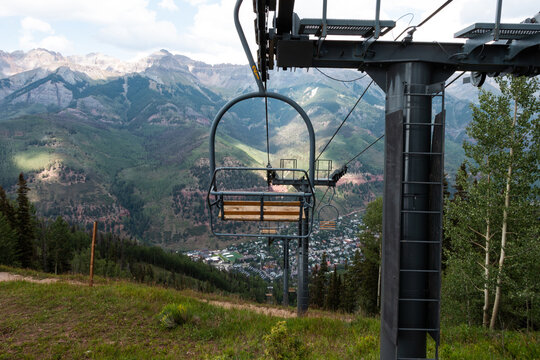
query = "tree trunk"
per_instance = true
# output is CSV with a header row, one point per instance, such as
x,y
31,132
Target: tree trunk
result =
x,y
504,230
379,290
502,256
468,306
485,308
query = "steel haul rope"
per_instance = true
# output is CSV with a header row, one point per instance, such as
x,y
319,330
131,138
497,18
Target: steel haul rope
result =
x,y
343,122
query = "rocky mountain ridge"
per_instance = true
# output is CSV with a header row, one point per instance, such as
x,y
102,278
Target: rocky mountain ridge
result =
x,y
135,135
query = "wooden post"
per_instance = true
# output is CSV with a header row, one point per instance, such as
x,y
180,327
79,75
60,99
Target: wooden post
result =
x,y
92,254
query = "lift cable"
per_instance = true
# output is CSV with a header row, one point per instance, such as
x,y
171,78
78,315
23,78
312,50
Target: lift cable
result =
x,y
266,118
363,76
380,137
401,17
453,80
320,201
340,80
343,122
365,149
426,19
435,12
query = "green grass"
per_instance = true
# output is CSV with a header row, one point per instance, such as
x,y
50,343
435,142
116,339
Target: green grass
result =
x,y
33,160
119,320
235,256
61,320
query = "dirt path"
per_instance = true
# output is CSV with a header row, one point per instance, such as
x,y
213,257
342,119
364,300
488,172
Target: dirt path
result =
x,y
258,309
4,276
270,311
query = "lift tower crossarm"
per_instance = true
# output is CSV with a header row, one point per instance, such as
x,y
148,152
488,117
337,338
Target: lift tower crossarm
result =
x,y
346,54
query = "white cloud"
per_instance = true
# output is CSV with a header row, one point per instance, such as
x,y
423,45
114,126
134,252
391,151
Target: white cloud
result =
x,y
126,24
195,2
213,38
168,5
32,24
36,33
131,26
142,36
454,17
55,43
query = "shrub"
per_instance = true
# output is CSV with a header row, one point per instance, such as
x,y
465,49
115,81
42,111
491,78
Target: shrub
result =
x,y
282,345
173,315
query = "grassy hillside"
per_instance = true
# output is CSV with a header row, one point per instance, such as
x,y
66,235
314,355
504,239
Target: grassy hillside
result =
x,y
116,319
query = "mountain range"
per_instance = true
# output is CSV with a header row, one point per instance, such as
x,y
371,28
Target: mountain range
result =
x,y
126,143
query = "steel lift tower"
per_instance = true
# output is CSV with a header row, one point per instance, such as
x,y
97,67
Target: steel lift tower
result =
x,y
411,74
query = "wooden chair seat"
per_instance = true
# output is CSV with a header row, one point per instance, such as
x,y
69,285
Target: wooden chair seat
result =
x,y
269,231
327,225
287,211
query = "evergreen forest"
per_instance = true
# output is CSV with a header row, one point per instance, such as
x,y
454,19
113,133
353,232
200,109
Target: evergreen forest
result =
x,y
58,247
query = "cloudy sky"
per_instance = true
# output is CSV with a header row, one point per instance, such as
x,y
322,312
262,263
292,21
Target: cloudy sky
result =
x,y
203,29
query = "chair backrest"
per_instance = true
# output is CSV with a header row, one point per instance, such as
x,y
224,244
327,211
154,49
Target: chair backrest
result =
x,y
329,220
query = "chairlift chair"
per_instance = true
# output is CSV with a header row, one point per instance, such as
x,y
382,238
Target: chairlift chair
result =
x,y
262,206
330,221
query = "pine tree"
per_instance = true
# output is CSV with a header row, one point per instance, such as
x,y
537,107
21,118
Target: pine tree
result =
x,y
351,282
334,291
25,227
6,207
59,245
320,283
460,193
8,243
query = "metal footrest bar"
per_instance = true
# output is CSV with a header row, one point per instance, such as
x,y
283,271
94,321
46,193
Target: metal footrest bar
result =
x,y
420,300
421,212
422,124
420,242
421,183
418,329
421,153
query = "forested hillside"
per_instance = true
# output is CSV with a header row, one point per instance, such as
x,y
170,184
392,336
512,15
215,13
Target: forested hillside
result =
x,y
126,144
58,247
